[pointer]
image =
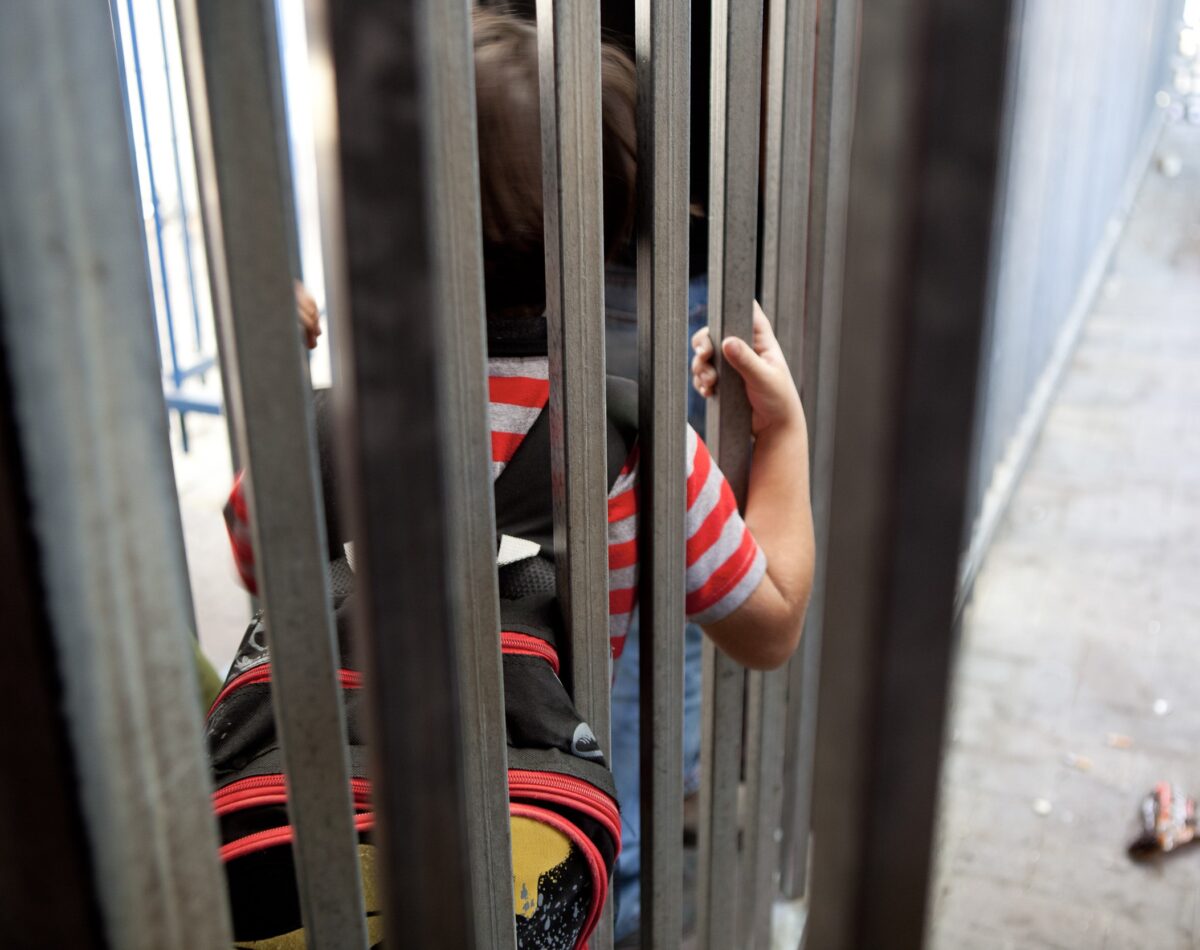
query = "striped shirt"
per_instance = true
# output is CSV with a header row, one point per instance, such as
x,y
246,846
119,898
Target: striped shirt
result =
x,y
724,563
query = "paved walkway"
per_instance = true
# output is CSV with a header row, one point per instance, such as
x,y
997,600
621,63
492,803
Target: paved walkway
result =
x,y
1078,681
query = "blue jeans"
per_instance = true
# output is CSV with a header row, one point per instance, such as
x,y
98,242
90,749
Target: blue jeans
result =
x,y
621,350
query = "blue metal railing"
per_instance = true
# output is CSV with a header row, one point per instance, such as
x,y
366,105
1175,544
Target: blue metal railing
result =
x,y
180,364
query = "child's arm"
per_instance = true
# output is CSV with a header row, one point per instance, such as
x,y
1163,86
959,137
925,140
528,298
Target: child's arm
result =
x,y
765,630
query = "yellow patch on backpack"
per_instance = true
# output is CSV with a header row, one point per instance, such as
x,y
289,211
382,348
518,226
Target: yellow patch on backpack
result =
x,y
536,849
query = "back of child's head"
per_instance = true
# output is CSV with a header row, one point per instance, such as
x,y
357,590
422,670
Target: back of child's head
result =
x,y
510,158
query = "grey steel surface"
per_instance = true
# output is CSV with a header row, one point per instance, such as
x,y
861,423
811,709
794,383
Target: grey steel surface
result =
x,y
395,409
78,334
663,50
569,69
458,267
786,185
271,397
832,131
1081,111
919,228
733,231
569,55
766,696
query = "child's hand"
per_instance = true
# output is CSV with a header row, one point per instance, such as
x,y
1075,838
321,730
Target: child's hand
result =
x,y
310,316
774,401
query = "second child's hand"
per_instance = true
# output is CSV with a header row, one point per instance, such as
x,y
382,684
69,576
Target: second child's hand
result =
x,y
310,316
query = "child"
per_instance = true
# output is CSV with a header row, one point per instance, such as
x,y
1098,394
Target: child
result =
x,y
748,577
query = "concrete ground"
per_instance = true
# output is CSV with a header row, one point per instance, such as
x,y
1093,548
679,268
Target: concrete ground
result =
x,y
1076,687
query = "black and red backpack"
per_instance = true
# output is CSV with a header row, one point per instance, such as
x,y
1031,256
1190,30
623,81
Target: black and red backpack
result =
x,y
565,820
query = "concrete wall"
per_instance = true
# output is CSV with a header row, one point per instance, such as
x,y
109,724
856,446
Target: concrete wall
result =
x,y
1082,120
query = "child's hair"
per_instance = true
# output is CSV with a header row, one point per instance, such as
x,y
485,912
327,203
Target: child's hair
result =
x,y
510,158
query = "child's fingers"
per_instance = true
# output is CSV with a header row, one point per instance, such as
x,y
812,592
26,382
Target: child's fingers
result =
x,y
749,365
763,335
702,342
705,377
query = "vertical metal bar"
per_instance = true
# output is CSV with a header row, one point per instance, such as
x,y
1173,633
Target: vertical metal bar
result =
x,y
788,145
663,60
45,872
458,260
569,64
160,251
919,229
185,232
78,334
569,73
272,399
833,114
401,430
733,232
283,142
196,95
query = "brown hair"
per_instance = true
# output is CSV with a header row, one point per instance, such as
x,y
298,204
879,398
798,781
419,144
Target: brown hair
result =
x,y
510,157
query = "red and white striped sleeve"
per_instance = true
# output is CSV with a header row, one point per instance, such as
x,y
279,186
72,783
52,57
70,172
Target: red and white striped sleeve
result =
x,y
237,523
622,553
518,389
724,562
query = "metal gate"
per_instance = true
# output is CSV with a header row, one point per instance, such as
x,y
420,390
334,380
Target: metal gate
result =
x,y
856,203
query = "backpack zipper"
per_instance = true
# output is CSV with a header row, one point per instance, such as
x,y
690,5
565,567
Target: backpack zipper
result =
x,y
350,679
523,644
272,790
261,840
572,792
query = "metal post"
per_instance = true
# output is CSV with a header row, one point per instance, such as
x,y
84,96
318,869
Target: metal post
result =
x,y
272,400
569,73
78,334
788,146
185,231
569,64
919,229
833,114
663,50
427,620
733,214
192,60
152,183
458,266
46,891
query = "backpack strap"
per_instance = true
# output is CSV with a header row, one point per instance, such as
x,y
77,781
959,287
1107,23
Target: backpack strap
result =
x,y
524,502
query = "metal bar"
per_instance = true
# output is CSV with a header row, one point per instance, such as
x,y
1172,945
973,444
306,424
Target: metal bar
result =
x,y
78,333
788,146
833,114
663,46
196,96
569,72
287,147
272,400
458,257
185,231
919,229
209,407
164,282
45,875
390,284
569,64
733,233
